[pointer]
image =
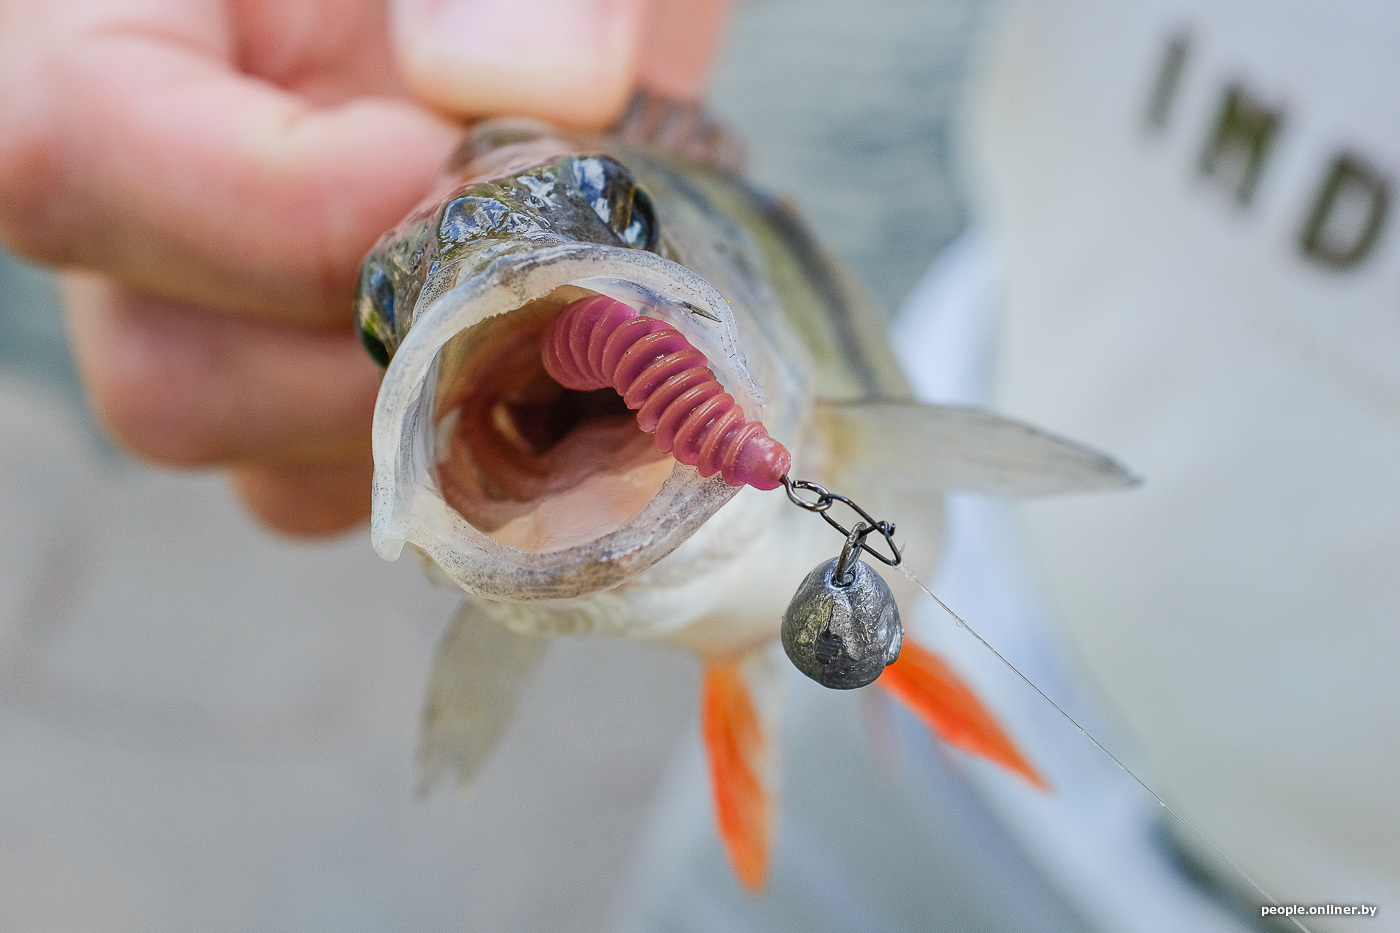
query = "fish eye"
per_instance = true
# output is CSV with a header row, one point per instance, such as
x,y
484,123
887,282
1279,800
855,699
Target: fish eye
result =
x,y
373,345
639,222
607,187
376,311
380,290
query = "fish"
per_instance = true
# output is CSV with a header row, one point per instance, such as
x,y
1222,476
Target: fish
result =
x,y
559,513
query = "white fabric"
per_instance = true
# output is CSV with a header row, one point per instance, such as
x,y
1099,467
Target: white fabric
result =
x,y
1098,835
1239,611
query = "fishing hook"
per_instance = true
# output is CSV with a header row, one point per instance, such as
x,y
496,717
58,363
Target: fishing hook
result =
x,y
855,537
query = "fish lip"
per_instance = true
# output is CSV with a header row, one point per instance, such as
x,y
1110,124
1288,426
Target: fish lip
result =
x,y
406,505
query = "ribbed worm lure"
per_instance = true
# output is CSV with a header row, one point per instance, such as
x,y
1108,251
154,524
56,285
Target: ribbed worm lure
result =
x,y
842,628
598,343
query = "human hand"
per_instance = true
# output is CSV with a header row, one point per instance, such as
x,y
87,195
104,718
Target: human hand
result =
x,y
209,174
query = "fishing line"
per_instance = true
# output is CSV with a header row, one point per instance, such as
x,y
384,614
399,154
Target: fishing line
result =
x,y
910,575
832,580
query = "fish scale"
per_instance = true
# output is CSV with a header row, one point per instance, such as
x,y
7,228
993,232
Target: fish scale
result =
x,y
784,323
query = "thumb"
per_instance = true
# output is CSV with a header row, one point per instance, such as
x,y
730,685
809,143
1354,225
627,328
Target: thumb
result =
x,y
572,62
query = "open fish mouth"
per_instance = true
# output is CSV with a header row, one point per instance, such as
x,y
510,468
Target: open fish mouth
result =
x,y
535,464
517,486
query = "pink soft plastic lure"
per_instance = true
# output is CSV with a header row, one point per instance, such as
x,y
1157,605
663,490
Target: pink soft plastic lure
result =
x,y
598,343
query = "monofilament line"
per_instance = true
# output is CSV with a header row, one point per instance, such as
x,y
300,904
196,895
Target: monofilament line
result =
x,y
904,569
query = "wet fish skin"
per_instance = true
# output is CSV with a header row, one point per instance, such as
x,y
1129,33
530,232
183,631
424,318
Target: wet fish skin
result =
x,y
522,210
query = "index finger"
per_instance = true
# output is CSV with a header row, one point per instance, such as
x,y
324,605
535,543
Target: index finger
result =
x,y
132,146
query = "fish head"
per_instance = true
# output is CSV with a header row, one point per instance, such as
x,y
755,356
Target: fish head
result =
x,y
515,486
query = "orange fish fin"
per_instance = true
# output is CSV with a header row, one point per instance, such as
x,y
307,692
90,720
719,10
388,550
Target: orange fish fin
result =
x,y
741,774
926,684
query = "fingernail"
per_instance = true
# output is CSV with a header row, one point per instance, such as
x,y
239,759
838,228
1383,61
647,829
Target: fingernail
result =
x,y
568,61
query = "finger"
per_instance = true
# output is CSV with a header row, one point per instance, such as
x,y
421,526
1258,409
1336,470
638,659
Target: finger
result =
x,y
572,62
680,42
132,147
309,501
194,387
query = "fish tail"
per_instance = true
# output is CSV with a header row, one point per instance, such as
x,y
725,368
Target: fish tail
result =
x,y
740,772
926,684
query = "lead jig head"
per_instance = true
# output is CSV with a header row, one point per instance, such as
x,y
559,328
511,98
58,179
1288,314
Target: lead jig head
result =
x,y
842,628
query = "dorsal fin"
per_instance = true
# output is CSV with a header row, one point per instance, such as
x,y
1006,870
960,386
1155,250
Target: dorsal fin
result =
x,y
679,127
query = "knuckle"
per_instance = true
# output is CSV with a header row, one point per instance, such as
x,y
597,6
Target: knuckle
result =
x,y
152,435
151,410
30,171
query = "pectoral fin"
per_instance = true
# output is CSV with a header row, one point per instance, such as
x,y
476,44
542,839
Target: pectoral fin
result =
x,y
480,668
912,446
736,722
926,684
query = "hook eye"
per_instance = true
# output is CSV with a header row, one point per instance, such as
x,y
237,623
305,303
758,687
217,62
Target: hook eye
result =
x,y
845,566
